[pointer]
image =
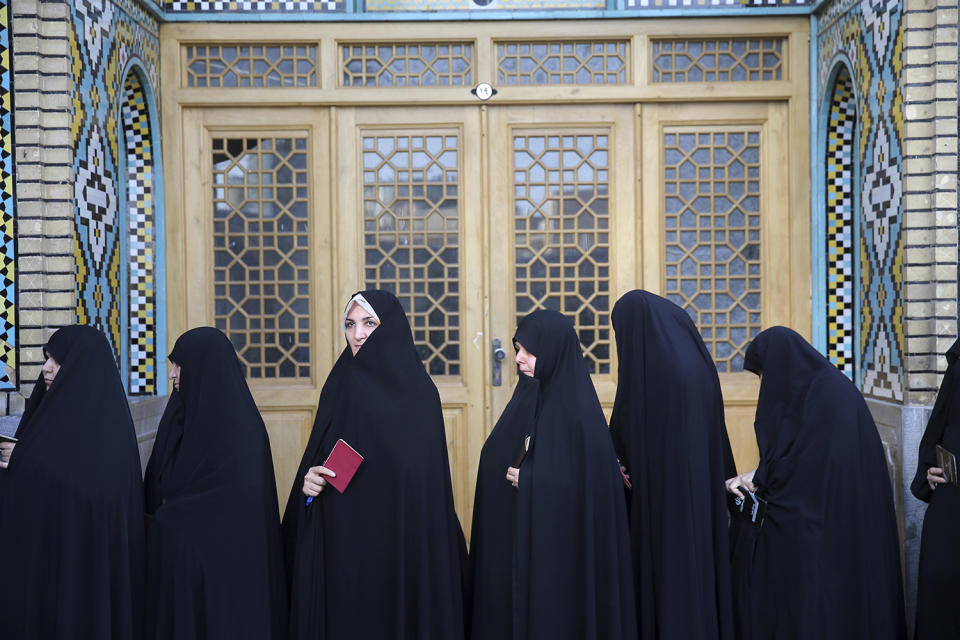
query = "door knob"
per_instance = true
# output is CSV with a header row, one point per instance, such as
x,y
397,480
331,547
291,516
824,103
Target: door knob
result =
x,y
498,356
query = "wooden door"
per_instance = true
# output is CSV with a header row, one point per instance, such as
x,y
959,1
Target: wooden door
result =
x,y
563,225
410,203
474,216
251,255
725,233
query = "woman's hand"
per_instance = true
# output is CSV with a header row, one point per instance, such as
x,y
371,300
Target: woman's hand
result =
x,y
314,482
6,450
513,476
935,477
744,480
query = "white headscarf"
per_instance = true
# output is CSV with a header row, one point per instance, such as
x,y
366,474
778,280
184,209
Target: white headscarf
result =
x,y
366,306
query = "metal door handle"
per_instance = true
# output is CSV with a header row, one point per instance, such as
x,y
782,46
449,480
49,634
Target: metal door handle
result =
x,y
498,356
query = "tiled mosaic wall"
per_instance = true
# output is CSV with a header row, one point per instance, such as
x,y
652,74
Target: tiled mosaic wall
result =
x,y
8,295
141,249
870,34
839,249
104,39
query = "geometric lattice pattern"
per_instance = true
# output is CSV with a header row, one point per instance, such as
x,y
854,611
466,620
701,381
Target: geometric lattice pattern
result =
x,y
411,232
251,65
561,232
8,264
718,60
872,35
569,62
261,269
141,247
324,6
712,221
417,64
104,38
839,287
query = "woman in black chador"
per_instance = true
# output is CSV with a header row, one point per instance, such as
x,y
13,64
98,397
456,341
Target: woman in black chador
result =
x,y
824,561
382,559
938,615
71,502
214,552
571,577
494,517
669,432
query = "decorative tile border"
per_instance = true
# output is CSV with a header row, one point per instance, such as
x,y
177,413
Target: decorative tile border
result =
x,y
8,293
840,252
141,252
104,39
871,34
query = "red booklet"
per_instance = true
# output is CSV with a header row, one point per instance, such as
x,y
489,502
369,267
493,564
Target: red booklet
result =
x,y
343,461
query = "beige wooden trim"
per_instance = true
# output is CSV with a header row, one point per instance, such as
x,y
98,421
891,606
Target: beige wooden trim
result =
x,y
174,172
484,36
797,126
461,96
738,26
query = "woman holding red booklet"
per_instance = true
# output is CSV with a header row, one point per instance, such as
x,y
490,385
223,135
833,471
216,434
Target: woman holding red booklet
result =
x,y
378,556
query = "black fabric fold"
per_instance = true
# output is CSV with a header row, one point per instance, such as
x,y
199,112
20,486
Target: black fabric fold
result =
x,y
939,569
494,518
215,556
826,561
943,416
383,559
669,431
71,520
571,570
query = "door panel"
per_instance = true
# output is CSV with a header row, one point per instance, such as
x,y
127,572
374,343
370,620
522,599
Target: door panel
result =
x,y
563,204
410,202
720,234
255,258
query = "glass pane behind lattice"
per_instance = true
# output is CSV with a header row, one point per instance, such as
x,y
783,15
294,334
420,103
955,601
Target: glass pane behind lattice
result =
x,y
561,233
411,222
726,60
712,235
261,253
251,65
567,62
415,64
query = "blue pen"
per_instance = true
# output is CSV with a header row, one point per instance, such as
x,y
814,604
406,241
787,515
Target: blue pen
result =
x,y
309,500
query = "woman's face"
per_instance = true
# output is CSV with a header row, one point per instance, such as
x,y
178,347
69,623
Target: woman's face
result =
x,y
525,360
50,369
358,326
175,374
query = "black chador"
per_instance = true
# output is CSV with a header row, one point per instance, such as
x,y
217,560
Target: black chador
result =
x,y
571,569
71,504
825,562
382,559
669,432
495,519
938,615
214,552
